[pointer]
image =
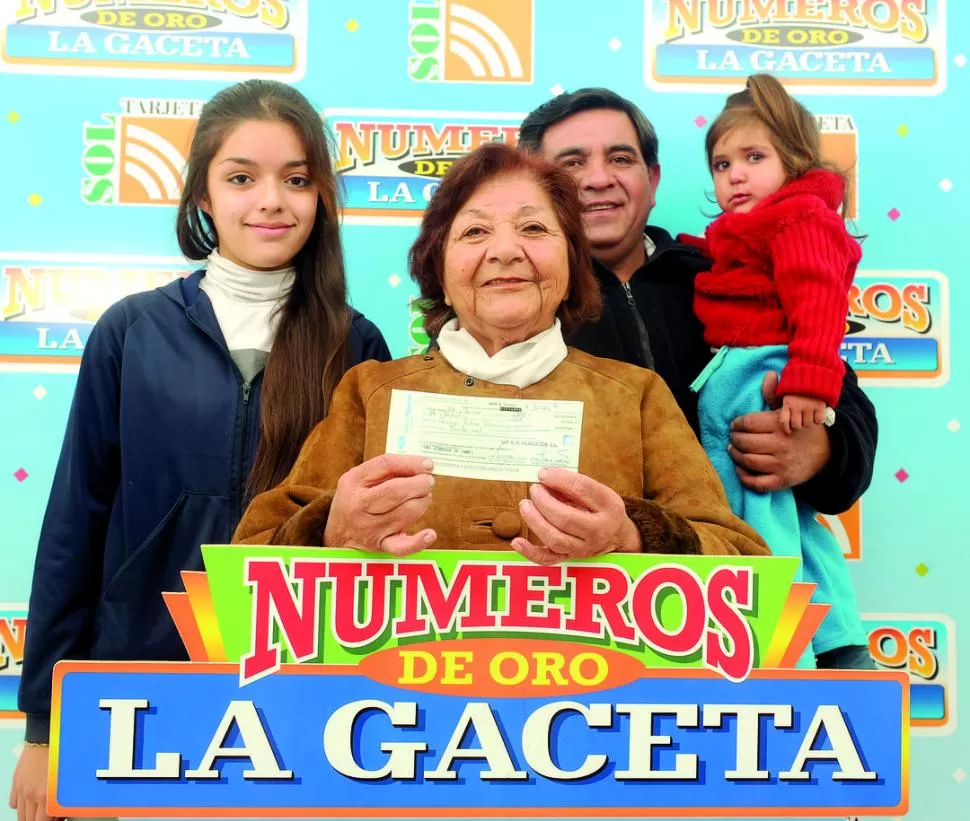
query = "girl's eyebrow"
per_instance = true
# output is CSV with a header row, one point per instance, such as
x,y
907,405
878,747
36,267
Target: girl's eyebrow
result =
x,y
245,161
743,149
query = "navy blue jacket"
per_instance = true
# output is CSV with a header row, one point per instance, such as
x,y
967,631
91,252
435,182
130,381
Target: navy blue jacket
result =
x,y
160,440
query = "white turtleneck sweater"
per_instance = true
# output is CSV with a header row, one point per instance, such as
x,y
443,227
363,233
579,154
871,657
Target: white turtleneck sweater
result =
x,y
244,302
520,364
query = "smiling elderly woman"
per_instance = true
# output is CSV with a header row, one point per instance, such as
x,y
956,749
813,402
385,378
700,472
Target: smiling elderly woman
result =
x,y
503,265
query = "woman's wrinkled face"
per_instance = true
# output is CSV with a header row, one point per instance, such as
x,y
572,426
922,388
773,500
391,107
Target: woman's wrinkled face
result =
x,y
506,265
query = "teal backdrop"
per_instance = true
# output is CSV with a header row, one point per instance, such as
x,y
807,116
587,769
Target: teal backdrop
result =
x,y
97,104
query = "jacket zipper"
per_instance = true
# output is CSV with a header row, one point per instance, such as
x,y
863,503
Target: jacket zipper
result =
x,y
241,430
641,327
238,478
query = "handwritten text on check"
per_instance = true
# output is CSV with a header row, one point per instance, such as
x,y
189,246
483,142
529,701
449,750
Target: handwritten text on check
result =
x,y
477,437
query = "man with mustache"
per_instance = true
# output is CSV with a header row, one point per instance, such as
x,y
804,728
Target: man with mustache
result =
x,y
647,280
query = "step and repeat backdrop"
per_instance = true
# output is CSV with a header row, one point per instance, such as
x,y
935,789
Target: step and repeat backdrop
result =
x,y
98,100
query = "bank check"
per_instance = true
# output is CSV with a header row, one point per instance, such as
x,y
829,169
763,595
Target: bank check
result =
x,y
477,437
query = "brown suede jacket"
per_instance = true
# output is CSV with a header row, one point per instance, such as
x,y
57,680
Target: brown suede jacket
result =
x,y
634,439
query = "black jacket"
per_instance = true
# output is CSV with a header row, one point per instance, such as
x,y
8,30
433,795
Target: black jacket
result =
x,y
650,322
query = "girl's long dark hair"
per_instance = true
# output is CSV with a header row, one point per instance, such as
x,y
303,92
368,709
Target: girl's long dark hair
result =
x,y
309,354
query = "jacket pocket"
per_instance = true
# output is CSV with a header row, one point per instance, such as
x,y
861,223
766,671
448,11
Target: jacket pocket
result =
x,y
135,622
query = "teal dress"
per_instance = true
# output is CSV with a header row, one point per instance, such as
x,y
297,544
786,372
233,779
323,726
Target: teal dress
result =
x,y
731,386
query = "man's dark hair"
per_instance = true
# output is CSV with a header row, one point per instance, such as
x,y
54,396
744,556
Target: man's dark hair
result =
x,y
588,99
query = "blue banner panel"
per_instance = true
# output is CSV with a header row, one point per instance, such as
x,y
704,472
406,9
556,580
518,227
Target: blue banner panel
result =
x,y
185,739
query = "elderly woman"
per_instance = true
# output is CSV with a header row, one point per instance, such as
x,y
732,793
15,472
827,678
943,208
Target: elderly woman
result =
x,y
503,266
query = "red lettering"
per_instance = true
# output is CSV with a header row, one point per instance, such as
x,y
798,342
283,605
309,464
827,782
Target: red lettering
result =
x,y
395,140
846,11
855,301
729,647
895,654
13,636
646,595
478,135
916,314
274,603
351,582
467,595
521,596
922,658
885,310
510,134
357,141
599,592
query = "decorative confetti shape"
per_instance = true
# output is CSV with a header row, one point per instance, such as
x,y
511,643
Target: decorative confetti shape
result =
x,y
13,117
40,392
960,61
953,426
921,569
35,199
17,749
394,280
959,775
352,26
700,120
901,474
556,90
20,474
945,185
903,130
615,44
894,214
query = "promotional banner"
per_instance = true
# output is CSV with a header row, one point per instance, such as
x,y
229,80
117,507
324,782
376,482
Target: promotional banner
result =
x,y
229,38
894,47
657,686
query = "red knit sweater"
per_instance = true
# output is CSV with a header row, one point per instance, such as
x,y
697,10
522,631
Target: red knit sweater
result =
x,y
781,275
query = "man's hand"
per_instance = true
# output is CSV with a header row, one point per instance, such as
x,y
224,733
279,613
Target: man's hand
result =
x,y
767,458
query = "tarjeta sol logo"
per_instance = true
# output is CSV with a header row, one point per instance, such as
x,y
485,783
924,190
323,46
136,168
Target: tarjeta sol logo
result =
x,y
50,302
418,338
471,41
392,162
898,328
187,39
828,46
137,156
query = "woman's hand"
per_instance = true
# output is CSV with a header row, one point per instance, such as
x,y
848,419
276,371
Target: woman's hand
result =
x,y
28,795
377,501
575,517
